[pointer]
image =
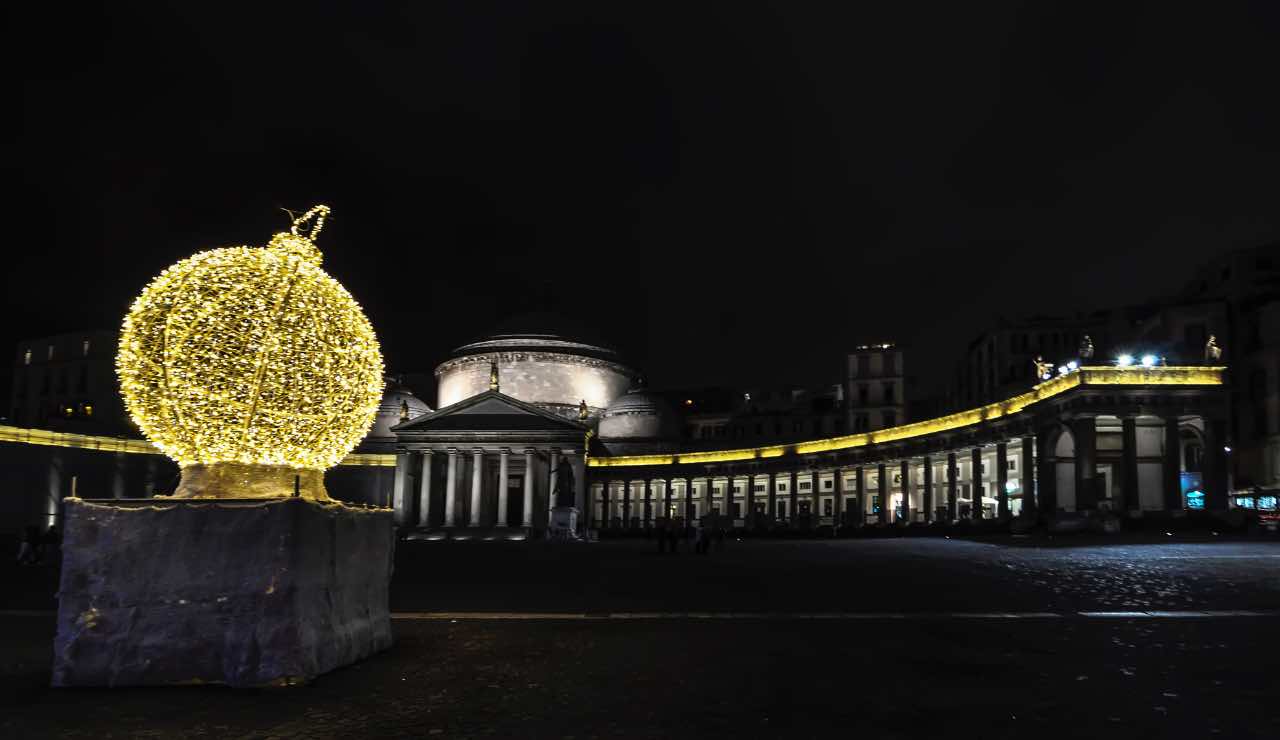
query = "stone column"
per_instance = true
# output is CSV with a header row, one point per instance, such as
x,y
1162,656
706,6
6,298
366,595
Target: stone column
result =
x,y
424,489
772,497
477,482
1172,469
749,502
451,490
1129,464
626,504
793,498
837,501
1047,477
882,489
579,467
927,501
648,503
400,492
666,498
1027,476
1086,434
706,494
527,515
815,499
1002,480
503,479
551,483
860,493
688,500
1216,469
976,484
904,472
953,507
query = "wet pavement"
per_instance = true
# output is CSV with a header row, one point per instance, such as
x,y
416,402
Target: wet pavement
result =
x,y
876,638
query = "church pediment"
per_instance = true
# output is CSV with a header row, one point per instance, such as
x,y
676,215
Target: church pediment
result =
x,y
489,412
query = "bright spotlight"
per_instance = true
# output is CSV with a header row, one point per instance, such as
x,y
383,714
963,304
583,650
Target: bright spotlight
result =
x,y
1148,360
1073,365
1124,360
1062,369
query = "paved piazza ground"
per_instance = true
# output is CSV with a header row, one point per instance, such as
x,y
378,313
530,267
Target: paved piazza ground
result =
x,y
870,638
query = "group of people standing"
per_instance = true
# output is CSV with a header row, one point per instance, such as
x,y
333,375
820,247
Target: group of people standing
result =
x,y
670,533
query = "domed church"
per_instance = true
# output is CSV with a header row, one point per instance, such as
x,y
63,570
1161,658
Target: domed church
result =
x,y
512,407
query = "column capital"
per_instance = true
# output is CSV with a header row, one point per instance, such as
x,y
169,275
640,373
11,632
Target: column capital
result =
x,y
504,451
453,450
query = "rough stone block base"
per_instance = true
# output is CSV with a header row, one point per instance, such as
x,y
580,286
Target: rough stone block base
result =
x,y
245,593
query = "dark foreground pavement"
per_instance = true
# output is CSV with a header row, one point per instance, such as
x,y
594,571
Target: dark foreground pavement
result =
x,y
891,638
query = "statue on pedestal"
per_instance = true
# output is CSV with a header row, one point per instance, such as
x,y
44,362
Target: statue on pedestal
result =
x,y
1212,352
1086,348
1044,370
565,493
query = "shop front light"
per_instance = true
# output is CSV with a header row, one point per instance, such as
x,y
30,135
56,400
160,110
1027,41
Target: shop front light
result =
x,y
1124,360
1148,360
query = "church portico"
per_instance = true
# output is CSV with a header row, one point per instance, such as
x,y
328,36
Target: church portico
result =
x,y
485,467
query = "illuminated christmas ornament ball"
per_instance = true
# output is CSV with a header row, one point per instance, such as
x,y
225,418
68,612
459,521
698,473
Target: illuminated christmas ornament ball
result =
x,y
251,367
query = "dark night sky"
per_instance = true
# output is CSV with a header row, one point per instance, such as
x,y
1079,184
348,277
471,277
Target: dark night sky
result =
x,y
731,193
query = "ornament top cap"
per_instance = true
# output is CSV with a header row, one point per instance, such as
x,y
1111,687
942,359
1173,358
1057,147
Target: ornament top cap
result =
x,y
298,243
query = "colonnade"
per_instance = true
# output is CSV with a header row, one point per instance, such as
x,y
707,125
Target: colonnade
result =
x,y
1057,468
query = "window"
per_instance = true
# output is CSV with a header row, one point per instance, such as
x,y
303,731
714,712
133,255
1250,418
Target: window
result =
x,y
26,357
827,484
1011,464
802,509
826,507
864,394
84,348
50,354
806,485
737,489
888,393
782,488
758,488
782,509
737,511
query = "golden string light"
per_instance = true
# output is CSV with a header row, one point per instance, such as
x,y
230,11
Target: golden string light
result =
x,y
250,356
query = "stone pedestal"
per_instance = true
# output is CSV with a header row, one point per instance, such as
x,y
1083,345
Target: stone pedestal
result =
x,y
564,523
241,592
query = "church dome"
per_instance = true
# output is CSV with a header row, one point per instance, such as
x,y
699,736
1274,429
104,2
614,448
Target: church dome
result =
x,y
639,414
398,405
554,371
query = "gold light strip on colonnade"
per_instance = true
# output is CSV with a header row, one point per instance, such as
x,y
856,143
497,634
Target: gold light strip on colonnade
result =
x,y
1090,376
46,438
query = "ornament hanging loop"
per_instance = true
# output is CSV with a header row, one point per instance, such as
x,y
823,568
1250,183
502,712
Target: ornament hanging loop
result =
x,y
315,216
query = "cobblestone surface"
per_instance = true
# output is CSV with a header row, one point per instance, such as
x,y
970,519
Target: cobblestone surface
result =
x,y
923,676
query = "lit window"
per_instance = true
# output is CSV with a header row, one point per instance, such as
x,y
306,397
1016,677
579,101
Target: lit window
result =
x,y
26,357
84,347
50,353
88,409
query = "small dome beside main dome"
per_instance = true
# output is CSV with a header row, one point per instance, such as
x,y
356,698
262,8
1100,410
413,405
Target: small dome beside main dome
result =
x,y
398,405
639,414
